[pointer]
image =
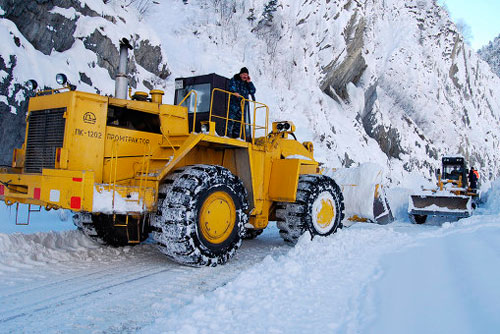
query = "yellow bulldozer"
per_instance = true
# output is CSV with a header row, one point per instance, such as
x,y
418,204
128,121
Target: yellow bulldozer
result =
x,y
452,199
133,166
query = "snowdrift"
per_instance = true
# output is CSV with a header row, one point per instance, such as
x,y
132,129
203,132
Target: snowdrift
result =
x,y
364,196
491,200
25,251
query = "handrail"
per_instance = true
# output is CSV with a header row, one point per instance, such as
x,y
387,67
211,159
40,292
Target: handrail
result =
x,y
243,124
195,104
112,178
144,173
168,139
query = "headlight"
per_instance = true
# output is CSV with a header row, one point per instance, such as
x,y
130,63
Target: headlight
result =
x,y
61,79
204,128
279,126
31,85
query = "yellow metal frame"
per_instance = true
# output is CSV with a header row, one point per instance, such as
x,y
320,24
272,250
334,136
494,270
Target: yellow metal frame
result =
x,y
127,161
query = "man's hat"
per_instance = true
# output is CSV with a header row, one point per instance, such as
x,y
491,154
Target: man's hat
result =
x,y
244,70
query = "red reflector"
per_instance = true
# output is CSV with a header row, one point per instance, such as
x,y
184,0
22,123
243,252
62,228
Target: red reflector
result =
x,y
36,193
2,190
76,202
58,155
77,179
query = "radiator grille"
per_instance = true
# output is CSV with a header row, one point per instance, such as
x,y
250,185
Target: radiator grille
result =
x,y
45,135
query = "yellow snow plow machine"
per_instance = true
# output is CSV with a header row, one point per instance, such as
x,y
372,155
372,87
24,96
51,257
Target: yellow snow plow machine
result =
x,y
131,167
452,198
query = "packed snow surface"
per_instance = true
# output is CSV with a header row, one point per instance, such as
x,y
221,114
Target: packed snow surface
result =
x,y
398,278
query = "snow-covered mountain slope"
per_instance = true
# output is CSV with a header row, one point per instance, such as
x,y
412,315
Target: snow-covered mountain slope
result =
x,y
79,38
491,54
390,82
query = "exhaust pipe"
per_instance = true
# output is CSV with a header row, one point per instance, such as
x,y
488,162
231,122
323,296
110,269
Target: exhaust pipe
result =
x,y
121,81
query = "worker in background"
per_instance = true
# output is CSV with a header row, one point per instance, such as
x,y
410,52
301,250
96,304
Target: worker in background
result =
x,y
241,85
473,178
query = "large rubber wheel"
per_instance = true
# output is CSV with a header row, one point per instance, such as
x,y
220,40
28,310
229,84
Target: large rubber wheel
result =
x,y
102,229
202,210
418,219
319,209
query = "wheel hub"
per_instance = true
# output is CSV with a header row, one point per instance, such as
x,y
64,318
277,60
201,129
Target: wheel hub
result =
x,y
324,212
217,217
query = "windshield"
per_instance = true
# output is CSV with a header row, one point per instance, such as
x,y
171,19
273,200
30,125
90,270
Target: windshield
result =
x,y
203,102
452,172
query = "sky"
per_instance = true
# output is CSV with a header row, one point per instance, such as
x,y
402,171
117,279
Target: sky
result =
x,y
480,15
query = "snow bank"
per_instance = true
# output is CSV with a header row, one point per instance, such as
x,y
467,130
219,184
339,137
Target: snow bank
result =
x,y
358,187
21,251
491,199
24,251
312,289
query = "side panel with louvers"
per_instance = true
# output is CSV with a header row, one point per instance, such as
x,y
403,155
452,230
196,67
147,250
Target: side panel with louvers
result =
x,y
45,135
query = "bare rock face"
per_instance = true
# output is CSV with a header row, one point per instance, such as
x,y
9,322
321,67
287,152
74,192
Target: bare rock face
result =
x,y
145,55
12,122
150,58
351,68
51,26
46,31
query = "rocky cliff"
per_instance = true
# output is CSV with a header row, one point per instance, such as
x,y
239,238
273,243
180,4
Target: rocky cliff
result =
x,y
385,81
79,38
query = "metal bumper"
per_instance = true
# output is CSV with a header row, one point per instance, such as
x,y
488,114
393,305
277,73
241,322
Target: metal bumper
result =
x,y
72,190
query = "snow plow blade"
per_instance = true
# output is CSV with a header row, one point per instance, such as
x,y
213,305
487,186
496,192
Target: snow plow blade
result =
x,y
381,209
364,196
439,205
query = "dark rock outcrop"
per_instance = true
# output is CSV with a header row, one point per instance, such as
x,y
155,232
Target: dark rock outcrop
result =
x,y
337,76
49,26
13,114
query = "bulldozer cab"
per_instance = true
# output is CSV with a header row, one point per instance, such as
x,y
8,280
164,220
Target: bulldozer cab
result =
x,y
454,168
206,99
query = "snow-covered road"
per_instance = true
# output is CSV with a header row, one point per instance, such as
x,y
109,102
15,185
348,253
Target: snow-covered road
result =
x,y
399,278
447,283
61,282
